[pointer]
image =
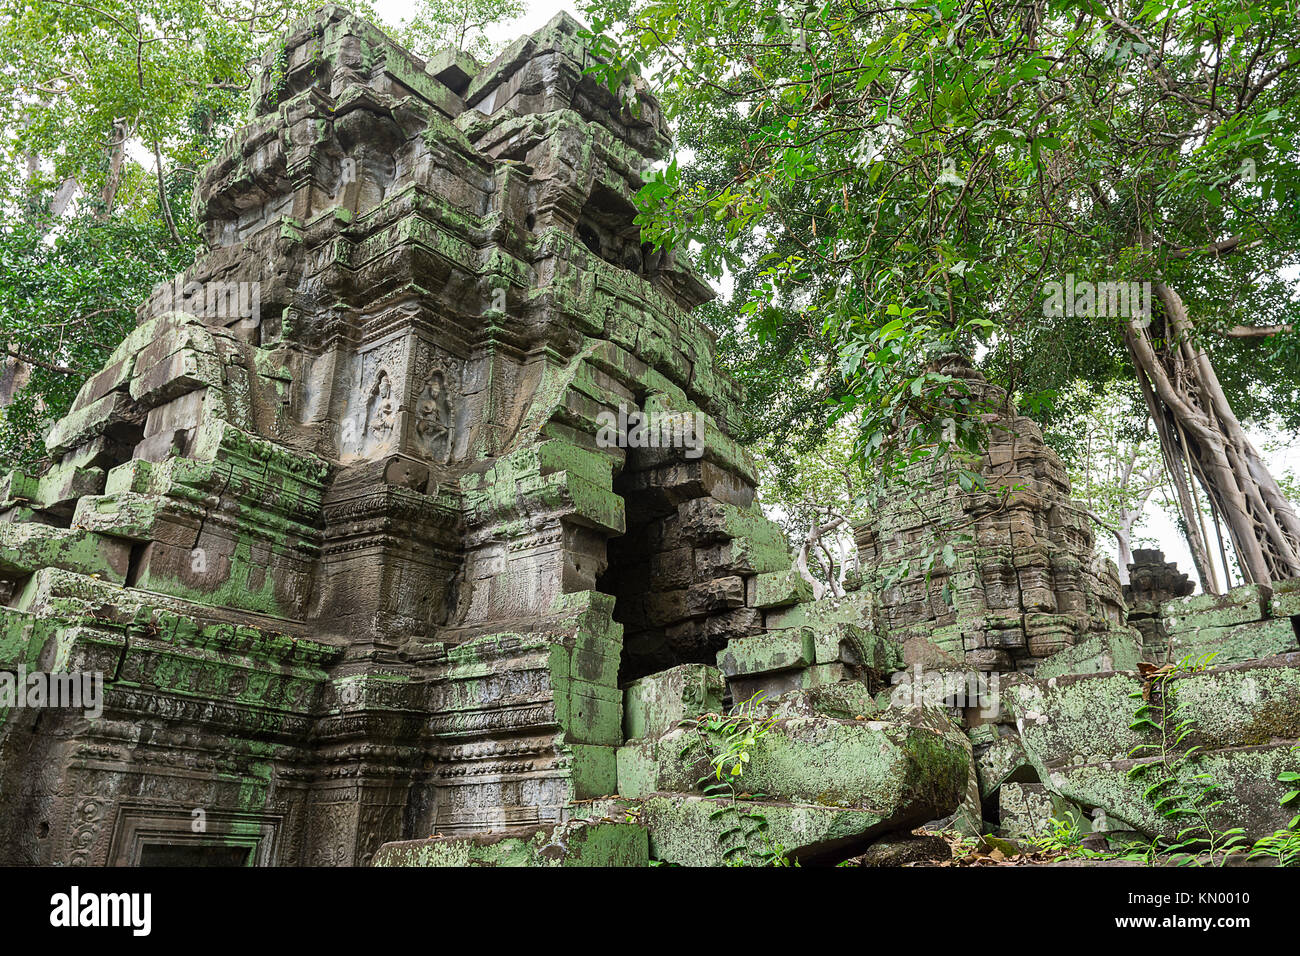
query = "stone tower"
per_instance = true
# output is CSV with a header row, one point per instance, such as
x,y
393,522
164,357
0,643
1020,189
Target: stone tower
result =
x,y
333,525
1021,582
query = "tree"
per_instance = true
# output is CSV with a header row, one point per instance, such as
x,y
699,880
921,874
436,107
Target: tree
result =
x,y
459,24
813,488
936,168
89,86
109,110
65,301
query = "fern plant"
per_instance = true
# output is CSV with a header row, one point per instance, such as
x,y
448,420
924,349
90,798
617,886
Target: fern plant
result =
x,y
1178,793
1062,836
1283,845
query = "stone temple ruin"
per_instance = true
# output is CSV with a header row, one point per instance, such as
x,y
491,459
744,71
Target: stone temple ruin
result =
x,y
1026,586
335,531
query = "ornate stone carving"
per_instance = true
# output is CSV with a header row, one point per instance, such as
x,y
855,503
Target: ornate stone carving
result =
x,y
356,555
381,411
433,419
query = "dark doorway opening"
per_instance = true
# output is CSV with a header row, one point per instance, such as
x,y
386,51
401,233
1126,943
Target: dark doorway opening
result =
x,y
194,854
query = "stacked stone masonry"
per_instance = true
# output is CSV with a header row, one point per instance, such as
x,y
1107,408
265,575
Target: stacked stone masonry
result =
x,y
331,519
1025,583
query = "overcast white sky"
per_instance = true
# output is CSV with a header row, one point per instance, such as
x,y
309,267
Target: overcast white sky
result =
x,y
538,12
1157,525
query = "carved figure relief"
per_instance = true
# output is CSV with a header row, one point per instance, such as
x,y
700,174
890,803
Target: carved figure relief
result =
x,y
380,410
433,421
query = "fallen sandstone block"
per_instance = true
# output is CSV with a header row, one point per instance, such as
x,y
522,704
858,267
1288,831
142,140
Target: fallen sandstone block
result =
x,y
577,843
845,700
1081,734
890,766
654,704
690,830
1001,763
1240,605
1235,643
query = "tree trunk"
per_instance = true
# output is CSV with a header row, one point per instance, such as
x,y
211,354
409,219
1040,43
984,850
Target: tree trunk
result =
x,y
1200,436
162,195
67,189
1176,469
62,196
116,155
1124,542
801,567
1122,534
815,543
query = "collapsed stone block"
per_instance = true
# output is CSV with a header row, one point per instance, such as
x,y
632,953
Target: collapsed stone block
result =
x,y
578,843
1234,643
777,589
828,786
768,653
1000,762
690,831
842,700
1026,811
1116,650
1081,735
1241,605
1285,601
875,763
654,704
26,548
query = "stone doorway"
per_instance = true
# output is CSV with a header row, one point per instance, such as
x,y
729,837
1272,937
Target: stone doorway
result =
x,y
680,573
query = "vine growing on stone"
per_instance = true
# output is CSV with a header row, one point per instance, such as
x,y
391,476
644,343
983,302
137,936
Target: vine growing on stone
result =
x,y
1179,793
728,741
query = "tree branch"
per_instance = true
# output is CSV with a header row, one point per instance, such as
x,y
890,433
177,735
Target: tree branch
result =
x,y
1256,331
